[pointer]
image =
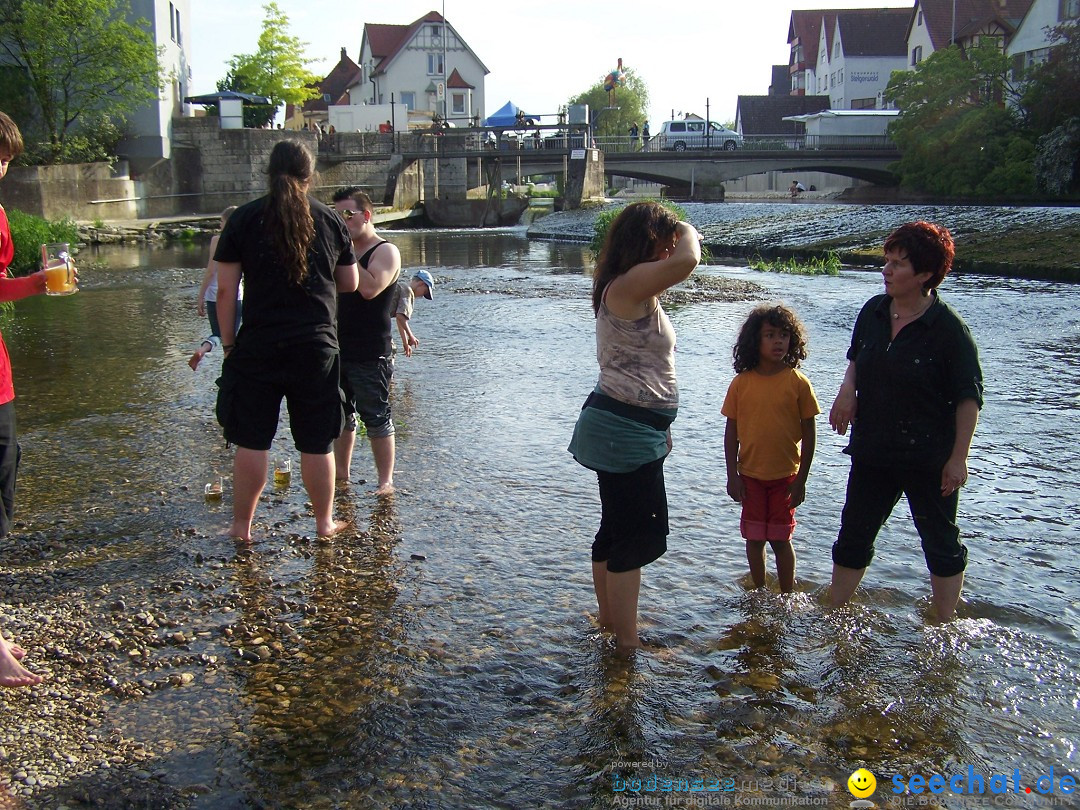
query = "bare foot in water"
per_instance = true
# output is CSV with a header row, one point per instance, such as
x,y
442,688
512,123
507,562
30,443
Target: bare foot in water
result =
x,y
12,673
240,532
385,490
337,526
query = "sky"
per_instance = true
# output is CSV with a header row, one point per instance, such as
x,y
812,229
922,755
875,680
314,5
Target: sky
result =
x,y
541,53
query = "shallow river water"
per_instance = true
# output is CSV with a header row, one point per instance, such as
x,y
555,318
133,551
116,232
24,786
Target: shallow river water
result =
x,y
443,654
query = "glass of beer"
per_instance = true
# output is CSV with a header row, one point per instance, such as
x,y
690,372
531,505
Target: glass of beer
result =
x,y
282,472
59,269
214,489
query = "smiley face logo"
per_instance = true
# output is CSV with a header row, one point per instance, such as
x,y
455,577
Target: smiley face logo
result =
x,y
861,783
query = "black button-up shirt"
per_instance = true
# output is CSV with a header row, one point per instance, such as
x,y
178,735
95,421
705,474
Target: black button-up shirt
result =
x,y
907,388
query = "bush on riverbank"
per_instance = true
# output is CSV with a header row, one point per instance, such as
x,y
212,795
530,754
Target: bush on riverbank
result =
x,y
29,233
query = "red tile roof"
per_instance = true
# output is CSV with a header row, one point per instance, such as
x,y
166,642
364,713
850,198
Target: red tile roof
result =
x,y
385,41
971,16
456,81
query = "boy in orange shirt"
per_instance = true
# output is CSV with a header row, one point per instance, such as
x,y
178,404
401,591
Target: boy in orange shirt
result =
x,y
770,408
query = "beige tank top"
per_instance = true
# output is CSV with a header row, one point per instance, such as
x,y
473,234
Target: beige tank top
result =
x,y
637,358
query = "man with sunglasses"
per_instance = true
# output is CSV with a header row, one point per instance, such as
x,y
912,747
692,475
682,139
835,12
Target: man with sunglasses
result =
x,y
364,334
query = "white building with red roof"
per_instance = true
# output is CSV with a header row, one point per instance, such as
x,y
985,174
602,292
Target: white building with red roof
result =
x,y
425,66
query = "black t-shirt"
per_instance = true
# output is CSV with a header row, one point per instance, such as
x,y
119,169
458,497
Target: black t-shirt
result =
x,y
364,324
278,313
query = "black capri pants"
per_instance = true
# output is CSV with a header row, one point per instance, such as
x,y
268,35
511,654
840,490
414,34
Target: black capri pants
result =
x,y
634,518
872,493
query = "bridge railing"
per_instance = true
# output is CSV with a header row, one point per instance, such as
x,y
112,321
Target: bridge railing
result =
x,y
480,141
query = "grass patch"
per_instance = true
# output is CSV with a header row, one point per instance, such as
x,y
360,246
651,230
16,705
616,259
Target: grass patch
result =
x,y
827,265
29,233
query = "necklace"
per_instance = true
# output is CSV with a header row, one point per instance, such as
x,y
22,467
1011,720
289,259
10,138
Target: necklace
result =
x,y
897,316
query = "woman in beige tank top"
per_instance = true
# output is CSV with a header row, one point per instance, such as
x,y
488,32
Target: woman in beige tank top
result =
x,y
623,432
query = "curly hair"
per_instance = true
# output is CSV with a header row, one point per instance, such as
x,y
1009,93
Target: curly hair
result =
x,y
289,225
631,239
747,351
928,247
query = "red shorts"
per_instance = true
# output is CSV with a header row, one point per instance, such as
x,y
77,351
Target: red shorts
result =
x,y
767,514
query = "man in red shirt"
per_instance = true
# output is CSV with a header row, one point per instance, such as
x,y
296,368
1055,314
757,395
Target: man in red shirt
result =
x,y
12,673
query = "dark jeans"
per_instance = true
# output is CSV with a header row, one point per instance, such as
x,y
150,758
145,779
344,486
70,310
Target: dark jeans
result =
x,y
211,315
872,493
10,452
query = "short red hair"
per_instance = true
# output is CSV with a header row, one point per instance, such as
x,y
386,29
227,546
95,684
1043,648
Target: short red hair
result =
x,y
928,247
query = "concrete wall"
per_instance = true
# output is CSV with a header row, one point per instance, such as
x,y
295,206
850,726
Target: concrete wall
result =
x,y
231,163
584,179
56,192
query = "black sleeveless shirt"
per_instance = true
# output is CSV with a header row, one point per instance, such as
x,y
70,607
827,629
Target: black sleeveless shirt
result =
x,y
364,325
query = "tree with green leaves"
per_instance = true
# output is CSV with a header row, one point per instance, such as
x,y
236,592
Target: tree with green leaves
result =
x,y
277,70
956,133
1049,96
631,104
86,67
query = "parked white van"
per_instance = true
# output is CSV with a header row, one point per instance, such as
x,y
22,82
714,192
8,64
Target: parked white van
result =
x,y
690,134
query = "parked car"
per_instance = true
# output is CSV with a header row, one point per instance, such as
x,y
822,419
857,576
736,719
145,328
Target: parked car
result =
x,y
691,134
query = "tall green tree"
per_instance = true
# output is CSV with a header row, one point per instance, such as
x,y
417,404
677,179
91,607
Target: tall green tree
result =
x,y
631,101
86,66
277,70
1050,96
956,133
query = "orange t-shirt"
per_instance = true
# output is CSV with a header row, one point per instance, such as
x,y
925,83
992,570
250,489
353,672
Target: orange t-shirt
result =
x,y
768,413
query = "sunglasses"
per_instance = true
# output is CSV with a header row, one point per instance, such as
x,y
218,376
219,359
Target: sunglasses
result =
x,y
347,214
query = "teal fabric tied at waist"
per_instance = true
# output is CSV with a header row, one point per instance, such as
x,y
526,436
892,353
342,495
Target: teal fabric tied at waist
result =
x,y
613,436
646,416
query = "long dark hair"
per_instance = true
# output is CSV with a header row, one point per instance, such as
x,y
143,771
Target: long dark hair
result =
x,y
747,351
289,225
631,239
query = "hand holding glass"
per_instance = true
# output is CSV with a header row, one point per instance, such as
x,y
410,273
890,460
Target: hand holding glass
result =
x,y
59,269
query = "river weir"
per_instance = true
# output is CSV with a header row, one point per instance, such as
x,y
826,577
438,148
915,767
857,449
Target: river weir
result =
x,y
441,653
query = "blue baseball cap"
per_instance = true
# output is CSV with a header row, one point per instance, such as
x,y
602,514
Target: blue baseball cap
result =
x,y
425,277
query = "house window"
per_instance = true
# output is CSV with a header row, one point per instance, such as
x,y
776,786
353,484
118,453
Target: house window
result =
x,y
172,23
918,22
434,64
409,100
179,34
863,103
457,103
916,55
840,76
836,50
796,54
832,80
1068,9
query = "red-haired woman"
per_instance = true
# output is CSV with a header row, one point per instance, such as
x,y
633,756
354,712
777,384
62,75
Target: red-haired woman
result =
x,y
911,394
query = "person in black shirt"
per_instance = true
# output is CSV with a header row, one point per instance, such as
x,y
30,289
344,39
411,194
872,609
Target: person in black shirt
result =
x,y
911,394
367,360
294,255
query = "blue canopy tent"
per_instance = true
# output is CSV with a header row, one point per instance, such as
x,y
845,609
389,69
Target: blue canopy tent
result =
x,y
505,116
